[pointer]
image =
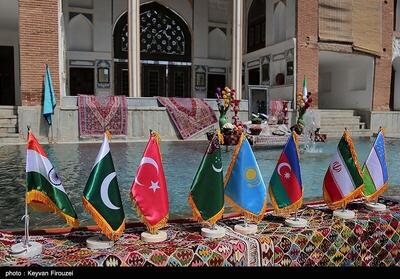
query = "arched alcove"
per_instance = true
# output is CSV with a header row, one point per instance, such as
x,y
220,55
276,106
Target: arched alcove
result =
x,y
217,44
256,25
279,22
80,33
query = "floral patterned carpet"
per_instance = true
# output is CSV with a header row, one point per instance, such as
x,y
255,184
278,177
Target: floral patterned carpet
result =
x,y
372,239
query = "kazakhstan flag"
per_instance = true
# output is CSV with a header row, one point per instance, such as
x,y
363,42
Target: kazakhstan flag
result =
x,y
244,186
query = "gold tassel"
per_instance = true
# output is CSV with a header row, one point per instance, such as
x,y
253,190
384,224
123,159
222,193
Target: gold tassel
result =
x,y
375,195
247,214
233,160
102,223
108,135
151,228
42,202
353,152
197,215
220,137
343,202
288,209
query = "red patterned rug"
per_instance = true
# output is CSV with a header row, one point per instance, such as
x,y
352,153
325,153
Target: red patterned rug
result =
x,y
98,113
190,115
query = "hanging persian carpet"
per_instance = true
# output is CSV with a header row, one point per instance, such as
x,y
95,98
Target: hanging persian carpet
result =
x,y
98,113
190,115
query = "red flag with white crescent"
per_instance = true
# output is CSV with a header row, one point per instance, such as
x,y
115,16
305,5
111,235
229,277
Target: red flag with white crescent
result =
x,y
149,189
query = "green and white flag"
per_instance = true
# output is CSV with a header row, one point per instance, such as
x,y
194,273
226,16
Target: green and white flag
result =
x,y
375,170
101,196
206,196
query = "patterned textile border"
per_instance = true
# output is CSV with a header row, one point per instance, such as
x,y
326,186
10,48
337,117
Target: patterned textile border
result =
x,y
372,239
190,115
97,113
184,247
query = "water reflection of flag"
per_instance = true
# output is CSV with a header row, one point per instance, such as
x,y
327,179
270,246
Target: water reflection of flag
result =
x,y
343,180
244,186
375,169
285,187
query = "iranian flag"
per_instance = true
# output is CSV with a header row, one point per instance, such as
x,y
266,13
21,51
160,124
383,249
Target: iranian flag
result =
x,y
45,190
375,169
343,180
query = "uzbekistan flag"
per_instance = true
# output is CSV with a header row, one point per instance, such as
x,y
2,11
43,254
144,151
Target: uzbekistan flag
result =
x,y
343,180
45,190
285,187
244,186
375,169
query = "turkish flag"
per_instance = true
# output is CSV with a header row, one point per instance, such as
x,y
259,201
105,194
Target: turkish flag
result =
x,y
149,189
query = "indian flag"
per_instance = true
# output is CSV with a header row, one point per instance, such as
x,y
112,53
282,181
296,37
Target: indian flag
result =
x,y
375,169
343,180
45,190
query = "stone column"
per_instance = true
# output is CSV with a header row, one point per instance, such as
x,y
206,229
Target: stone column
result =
x,y
237,47
134,47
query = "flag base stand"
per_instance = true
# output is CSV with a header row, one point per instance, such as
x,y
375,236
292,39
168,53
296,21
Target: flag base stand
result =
x,y
296,222
246,229
375,206
159,236
20,250
214,232
99,242
344,214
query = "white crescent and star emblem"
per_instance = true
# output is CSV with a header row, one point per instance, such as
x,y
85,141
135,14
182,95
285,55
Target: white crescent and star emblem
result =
x,y
147,160
217,170
104,191
282,165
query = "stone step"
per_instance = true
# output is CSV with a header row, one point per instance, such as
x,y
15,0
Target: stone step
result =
x,y
344,113
9,135
6,111
8,129
8,121
341,127
334,121
353,134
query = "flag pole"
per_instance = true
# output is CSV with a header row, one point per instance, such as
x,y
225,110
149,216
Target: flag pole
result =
x,y
26,216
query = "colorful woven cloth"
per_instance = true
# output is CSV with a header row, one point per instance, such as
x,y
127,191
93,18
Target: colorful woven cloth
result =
x,y
190,115
98,113
184,247
372,239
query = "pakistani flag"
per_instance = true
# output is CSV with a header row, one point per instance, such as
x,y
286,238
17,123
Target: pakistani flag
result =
x,y
101,196
343,180
375,169
207,192
45,190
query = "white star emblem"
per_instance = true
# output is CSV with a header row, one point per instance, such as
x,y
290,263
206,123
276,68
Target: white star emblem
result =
x,y
154,186
287,175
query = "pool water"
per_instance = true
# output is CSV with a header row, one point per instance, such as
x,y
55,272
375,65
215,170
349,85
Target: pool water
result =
x,y
181,160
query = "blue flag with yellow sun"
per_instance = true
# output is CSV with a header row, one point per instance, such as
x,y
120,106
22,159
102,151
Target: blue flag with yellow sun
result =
x,y
244,186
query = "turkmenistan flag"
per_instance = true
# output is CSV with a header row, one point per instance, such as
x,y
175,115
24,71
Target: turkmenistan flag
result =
x,y
45,189
101,196
207,192
375,169
343,180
